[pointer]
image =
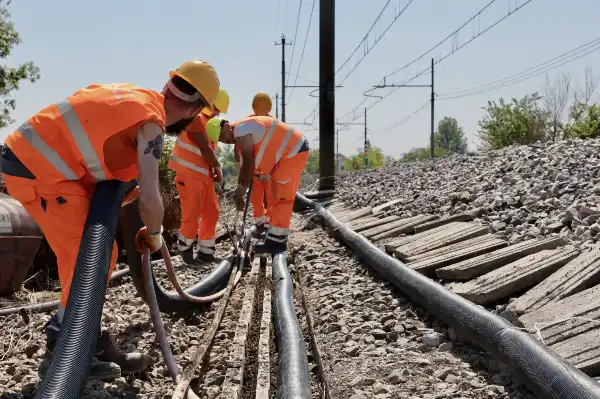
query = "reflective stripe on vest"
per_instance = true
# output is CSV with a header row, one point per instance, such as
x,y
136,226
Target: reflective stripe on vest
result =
x,y
187,146
80,137
189,165
267,139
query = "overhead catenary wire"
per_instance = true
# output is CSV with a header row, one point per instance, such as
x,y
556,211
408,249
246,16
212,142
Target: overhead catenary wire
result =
x,y
556,62
455,48
303,49
294,42
367,49
403,120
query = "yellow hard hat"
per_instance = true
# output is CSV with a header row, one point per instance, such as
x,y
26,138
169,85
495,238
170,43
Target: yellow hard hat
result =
x,y
261,104
213,129
202,76
221,103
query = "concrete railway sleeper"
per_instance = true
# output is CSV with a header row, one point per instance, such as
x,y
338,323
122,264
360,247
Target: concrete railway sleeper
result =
x,y
545,373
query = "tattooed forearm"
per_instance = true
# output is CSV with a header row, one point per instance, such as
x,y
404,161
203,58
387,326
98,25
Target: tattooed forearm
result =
x,y
155,146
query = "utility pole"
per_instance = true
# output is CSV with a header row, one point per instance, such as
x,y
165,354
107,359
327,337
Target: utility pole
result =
x,y
432,142
366,157
432,111
277,105
283,44
326,94
337,151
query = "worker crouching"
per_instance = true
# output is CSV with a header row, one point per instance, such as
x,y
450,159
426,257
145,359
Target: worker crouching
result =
x,y
261,184
276,151
196,170
53,162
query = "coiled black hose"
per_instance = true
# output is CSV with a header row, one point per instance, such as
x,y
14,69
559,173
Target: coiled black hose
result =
x,y
168,301
76,345
293,381
548,375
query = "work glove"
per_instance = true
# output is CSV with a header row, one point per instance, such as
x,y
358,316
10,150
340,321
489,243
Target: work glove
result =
x,y
263,177
238,197
217,174
131,196
144,239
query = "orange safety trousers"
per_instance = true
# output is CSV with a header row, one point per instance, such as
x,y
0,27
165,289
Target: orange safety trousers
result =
x,y
60,209
199,210
285,182
260,189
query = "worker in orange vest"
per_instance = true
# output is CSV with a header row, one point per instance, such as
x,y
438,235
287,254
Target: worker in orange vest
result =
x,y
197,169
261,186
54,160
275,151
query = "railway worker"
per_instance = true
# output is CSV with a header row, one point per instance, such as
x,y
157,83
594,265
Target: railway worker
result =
x,y
196,170
261,186
53,161
272,148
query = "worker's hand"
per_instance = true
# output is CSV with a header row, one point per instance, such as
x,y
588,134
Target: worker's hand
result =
x,y
131,196
263,177
217,174
238,198
144,239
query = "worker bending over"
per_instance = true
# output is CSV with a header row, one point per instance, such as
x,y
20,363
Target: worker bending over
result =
x,y
196,169
272,148
261,186
54,160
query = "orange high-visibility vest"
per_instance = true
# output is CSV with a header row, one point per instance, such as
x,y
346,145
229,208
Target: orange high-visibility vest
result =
x,y
67,140
280,141
186,156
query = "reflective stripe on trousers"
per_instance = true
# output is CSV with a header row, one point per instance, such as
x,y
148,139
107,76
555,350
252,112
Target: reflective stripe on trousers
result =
x,y
80,137
189,165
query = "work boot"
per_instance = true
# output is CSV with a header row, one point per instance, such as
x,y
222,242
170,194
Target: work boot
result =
x,y
261,230
271,246
128,362
205,256
100,370
188,255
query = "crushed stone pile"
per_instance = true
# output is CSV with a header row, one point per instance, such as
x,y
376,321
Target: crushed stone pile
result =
x,y
543,189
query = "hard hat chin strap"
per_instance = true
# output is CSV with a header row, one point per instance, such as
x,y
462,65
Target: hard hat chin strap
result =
x,y
190,98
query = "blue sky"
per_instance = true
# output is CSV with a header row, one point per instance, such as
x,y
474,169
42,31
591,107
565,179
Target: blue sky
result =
x,y
78,43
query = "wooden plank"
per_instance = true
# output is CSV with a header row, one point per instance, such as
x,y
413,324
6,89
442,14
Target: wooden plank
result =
x,y
400,228
452,248
390,226
232,386
581,273
358,227
482,264
457,252
582,351
392,245
514,277
263,375
383,207
460,231
461,217
585,304
362,221
357,214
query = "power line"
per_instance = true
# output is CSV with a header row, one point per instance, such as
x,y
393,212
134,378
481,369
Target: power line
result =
x,y
403,120
365,41
294,41
477,32
303,48
367,49
528,73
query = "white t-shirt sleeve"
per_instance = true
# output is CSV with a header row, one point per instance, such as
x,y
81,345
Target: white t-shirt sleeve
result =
x,y
257,130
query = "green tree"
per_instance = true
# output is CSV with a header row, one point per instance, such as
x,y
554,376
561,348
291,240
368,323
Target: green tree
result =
x,y
585,121
423,153
11,77
312,165
518,122
166,176
450,136
226,156
356,162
